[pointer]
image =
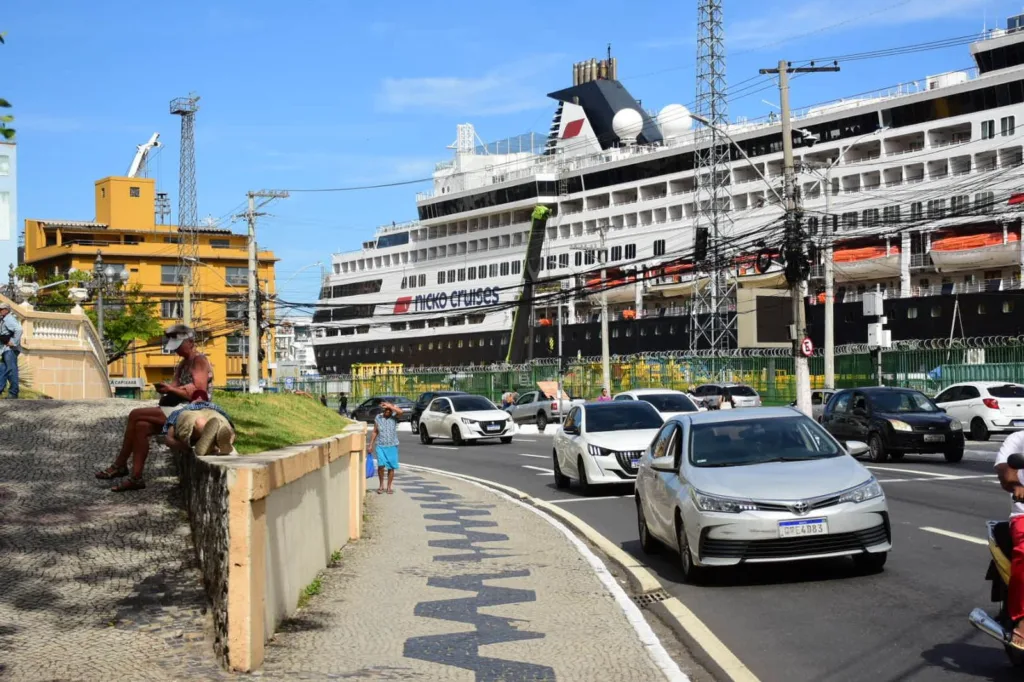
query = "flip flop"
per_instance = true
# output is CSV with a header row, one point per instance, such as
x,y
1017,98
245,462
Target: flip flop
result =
x,y
391,492
380,491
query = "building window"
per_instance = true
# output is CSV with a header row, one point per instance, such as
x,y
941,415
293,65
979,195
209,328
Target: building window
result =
x,y
492,270
220,243
988,130
236,277
236,310
451,276
563,260
171,310
552,262
423,280
133,239
982,309
171,274
5,165
936,311
462,274
440,277
911,313
870,216
850,220
960,204
936,208
659,247
471,274
1006,126
174,239
1007,306
891,215
588,257
578,259
238,344
630,251
481,272
517,267
404,280
916,210
616,253
984,202
134,192
504,269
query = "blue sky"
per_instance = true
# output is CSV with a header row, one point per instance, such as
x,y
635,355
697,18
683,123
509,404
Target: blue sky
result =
x,y
329,94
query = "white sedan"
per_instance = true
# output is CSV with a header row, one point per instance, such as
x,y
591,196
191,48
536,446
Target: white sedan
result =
x,y
601,443
667,402
463,418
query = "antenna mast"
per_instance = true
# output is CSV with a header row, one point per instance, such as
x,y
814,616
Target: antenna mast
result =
x,y
713,311
188,210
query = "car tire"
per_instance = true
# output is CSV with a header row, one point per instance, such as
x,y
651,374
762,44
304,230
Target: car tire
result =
x,y
542,421
955,455
561,480
424,437
584,483
979,430
876,449
692,574
506,439
647,542
869,564
456,436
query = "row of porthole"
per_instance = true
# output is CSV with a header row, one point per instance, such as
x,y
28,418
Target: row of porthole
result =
x,y
936,311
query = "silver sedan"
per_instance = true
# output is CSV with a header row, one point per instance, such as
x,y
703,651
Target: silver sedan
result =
x,y
758,485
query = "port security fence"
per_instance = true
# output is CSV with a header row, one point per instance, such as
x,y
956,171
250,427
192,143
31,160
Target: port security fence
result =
x,y
925,365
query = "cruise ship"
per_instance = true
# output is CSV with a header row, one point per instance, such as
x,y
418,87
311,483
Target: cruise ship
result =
x,y
919,189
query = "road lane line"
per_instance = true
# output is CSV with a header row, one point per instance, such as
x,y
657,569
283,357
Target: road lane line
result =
x,y
526,440
958,536
909,471
526,454
546,471
588,499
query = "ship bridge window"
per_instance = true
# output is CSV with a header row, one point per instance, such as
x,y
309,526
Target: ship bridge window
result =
x,y
959,104
1000,58
371,286
397,239
417,324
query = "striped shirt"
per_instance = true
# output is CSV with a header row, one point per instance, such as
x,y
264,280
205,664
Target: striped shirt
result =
x,y
387,430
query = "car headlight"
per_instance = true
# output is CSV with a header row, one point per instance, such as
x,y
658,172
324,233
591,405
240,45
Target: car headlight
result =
x,y
467,420
868,490
710,503
598,451
955,425
898,425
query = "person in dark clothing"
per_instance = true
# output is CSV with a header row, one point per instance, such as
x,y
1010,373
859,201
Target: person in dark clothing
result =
x,y
343,404
323,399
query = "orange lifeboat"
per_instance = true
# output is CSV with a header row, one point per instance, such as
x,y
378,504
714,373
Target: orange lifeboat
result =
x,y
867,262
954,252
859,253
545,322
954,242
629,314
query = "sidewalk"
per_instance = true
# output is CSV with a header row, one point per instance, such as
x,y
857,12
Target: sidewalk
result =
x,y
454,582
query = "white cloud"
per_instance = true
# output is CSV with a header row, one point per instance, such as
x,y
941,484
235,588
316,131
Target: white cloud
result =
x,y
509,89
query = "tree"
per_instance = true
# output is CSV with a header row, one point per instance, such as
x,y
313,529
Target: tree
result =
x,y
135,319
6,132
54,297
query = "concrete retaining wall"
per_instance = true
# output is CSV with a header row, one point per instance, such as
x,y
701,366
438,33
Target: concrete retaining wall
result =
x,y
264,526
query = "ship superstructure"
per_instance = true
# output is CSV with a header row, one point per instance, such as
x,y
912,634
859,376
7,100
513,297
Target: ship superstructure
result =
x,y
919,186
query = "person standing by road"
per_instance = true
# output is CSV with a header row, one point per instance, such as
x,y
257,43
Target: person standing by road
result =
x,y
10,337
384,444
604,396
323,399
343,404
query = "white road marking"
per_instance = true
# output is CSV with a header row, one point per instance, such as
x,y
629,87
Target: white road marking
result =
x,y
588,499
546,471
526,440
524,454
441,447
958,536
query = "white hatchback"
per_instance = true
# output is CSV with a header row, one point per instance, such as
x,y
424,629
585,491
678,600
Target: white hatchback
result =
x,y
985,407
463,418
601,443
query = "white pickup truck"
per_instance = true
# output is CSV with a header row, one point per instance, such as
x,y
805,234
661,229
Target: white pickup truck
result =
x,y
535,407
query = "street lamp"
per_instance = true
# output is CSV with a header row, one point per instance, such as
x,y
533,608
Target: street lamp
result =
x,y
104,280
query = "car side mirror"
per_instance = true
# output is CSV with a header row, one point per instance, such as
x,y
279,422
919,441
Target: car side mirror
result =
x,y
857,448
666,463
571,430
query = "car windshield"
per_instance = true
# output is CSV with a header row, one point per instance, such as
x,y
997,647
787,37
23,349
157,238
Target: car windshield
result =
x,y
902,401
1007,391
756,441
742,391
669,402
471,403
622,416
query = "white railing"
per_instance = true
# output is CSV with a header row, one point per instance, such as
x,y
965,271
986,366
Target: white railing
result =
x,y
59,330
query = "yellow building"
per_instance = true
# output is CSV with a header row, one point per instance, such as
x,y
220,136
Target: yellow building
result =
x,y
126,233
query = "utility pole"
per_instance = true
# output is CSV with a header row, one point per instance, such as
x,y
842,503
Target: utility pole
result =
x,y
795,246
606,369
254,327
830,288
186,300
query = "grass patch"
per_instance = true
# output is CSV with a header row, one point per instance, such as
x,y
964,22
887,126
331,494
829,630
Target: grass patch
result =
x,y
311,590
26,393
335,558
269,421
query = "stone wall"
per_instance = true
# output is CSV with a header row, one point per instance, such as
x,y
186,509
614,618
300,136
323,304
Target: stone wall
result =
x,y
264,526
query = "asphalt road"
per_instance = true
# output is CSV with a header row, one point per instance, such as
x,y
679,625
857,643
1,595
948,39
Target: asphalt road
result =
x,y
815,620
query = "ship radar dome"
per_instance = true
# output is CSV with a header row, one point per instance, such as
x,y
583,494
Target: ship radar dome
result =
x,y
674,121
628,124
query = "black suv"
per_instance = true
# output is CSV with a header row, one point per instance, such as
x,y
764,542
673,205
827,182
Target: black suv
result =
x,y
893,422
423,401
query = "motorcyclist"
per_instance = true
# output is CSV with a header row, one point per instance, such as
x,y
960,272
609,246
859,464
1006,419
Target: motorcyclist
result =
x,y
1012,481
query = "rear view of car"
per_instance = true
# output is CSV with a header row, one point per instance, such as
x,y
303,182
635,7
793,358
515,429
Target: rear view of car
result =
x,y
985,408
743,396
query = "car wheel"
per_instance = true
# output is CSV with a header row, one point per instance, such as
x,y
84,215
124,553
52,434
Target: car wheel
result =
x,y
584,483
955,455
876,449
424,436
542,421
456,436
979,431
506,439
870,563
692,573
647,543
561,480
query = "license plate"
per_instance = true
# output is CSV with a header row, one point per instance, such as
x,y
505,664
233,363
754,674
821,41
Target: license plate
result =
x,y
634,461
934,438
493,427
802,527
1018,422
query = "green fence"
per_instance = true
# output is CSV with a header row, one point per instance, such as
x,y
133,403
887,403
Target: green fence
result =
x,y
928,366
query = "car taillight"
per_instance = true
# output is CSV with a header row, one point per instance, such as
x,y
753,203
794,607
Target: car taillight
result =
x,y
991,403
554,407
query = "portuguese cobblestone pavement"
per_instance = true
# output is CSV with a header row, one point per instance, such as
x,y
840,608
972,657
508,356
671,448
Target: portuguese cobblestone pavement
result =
x,y
455,583
93,585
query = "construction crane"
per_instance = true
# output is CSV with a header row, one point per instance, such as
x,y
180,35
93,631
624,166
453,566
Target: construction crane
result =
x,y
138,166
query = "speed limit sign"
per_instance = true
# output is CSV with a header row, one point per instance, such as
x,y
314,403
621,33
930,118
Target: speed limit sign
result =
x,y
806,347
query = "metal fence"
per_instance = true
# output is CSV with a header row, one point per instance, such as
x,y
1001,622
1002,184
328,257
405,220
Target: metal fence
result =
x,y
928,366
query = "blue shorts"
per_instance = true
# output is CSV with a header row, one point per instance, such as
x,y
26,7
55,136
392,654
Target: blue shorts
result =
x,y
387,456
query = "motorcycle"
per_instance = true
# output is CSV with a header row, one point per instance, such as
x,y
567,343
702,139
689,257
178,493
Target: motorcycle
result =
x,y
1000,546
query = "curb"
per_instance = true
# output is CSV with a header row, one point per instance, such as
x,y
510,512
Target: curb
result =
x,y
702,642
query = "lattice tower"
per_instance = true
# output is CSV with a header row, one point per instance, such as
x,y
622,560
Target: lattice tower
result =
x,y
713,313
188,210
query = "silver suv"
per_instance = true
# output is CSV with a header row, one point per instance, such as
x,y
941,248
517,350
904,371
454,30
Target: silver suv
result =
x,y
742,395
